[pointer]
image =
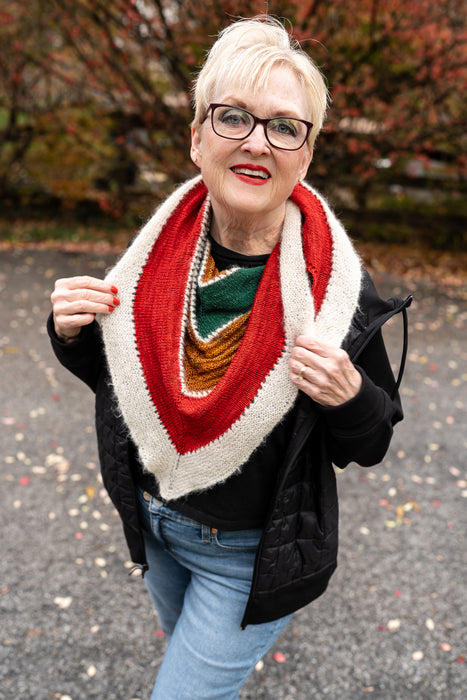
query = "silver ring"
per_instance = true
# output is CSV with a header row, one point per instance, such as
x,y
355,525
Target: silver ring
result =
x,y
302,372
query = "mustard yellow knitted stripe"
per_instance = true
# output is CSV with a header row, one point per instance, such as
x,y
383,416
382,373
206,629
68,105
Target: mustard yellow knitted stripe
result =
x,y
205,363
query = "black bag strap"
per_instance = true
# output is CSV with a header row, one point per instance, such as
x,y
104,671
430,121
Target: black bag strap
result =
x,y
405,345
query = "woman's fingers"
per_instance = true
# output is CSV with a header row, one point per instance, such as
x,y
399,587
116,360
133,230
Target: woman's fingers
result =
x,y
324,372
77,300
83,287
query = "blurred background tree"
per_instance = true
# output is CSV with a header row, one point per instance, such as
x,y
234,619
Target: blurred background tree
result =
x,y
95,105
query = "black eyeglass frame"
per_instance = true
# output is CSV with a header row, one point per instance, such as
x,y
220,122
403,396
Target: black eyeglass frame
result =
x,y
256,120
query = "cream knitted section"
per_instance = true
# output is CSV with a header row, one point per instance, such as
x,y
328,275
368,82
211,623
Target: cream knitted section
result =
x,y
180,474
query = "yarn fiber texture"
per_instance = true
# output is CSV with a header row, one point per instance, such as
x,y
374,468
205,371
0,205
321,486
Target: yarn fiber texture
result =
x,y
192,437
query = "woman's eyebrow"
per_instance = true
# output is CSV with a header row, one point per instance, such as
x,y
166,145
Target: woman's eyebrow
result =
x,y
278,113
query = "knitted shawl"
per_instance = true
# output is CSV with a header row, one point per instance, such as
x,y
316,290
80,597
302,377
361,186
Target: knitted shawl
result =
x,y
193,440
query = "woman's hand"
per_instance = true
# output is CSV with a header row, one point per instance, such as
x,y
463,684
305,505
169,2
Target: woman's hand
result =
x,y
77,300
324,372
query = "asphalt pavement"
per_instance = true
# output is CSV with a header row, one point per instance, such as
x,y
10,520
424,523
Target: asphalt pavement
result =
x,y
393,622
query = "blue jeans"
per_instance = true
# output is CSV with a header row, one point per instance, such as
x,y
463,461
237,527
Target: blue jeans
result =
x,y
199,581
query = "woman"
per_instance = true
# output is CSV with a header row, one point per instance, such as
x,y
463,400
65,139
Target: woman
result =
x,y
240,356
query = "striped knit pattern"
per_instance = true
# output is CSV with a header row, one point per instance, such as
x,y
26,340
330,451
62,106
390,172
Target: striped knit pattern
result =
x,y
191,439
218,317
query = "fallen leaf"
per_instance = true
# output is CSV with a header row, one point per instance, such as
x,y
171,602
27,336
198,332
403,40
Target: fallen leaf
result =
x,y
63,602
39,470
399,513
394,625
412,505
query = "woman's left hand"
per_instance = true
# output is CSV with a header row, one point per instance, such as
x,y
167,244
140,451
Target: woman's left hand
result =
x,y
324,372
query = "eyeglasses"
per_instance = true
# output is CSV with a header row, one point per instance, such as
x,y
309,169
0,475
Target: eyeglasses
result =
x,y
286,133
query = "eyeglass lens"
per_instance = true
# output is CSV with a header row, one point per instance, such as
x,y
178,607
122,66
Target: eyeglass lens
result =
x,y
235,123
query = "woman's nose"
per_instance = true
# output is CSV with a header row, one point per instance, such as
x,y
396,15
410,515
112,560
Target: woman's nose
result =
x,y
256,142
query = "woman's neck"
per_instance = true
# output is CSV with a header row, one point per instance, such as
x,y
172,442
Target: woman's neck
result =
x,y
249,239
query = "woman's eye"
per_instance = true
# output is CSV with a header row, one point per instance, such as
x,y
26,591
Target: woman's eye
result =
x,y
234,117
284,127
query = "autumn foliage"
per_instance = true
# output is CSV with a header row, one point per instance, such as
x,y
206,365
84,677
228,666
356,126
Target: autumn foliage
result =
x,y
95,98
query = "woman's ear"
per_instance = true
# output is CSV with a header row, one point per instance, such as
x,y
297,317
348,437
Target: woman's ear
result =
x,y
307,158
195,151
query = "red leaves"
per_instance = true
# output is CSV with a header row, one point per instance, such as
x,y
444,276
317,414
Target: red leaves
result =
x,y
391,71
6,18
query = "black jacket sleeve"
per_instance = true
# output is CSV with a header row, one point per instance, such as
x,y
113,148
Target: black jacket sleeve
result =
x,y
361,429
84,357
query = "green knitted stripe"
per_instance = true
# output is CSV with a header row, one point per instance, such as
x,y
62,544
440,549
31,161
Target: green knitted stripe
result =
x,y
225,299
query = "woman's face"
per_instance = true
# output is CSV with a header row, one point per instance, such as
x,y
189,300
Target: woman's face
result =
x,y
242,197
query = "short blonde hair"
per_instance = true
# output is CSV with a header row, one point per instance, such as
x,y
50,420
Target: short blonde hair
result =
x,y
245,52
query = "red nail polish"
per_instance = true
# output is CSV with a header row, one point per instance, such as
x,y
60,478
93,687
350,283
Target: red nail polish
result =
x,y
111,308
114,290
116,301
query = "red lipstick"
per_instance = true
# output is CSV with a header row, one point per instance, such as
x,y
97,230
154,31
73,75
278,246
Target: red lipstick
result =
x,y
251,174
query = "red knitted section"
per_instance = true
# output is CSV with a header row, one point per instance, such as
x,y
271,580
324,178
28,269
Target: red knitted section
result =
x,y
192,422
317,241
